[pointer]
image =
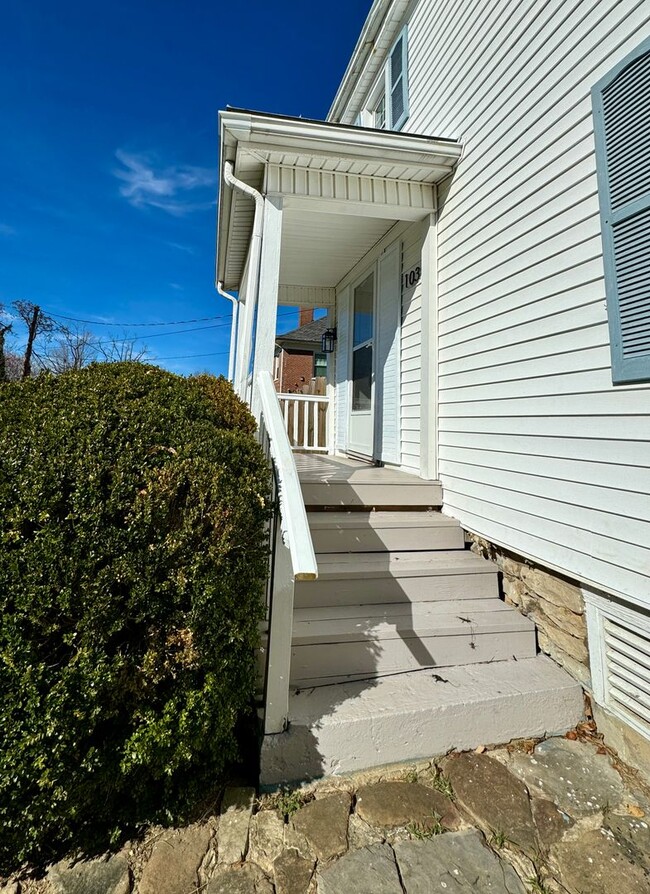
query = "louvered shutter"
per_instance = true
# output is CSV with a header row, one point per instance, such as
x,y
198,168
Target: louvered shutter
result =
x,y
398,82
622,126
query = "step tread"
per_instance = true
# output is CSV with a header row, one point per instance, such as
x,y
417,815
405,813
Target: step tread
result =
x,y
325,472
419,563
348,727
375,519
314,626
467,684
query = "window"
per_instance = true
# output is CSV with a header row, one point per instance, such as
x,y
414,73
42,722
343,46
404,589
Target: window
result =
x,y
363,320
387,108
622,128
320,365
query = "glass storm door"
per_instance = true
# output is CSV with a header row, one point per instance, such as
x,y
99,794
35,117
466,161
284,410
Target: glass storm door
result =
x,y
361,406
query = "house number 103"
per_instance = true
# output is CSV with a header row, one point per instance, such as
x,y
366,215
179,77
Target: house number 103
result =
x,y
411,277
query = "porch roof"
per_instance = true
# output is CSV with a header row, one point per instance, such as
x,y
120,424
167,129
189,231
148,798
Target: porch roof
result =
x,y
363,179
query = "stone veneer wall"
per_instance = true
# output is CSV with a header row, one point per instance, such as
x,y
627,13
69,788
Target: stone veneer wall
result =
x,y
556,606
553,602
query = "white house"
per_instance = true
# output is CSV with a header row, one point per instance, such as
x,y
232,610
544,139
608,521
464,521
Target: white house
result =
x,y
475,214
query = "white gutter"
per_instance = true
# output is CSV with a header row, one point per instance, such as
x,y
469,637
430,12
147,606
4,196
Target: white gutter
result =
x,y
266,133
250,298
233,330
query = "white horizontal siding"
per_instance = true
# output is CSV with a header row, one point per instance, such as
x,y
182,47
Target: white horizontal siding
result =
x,y
411,351
538,451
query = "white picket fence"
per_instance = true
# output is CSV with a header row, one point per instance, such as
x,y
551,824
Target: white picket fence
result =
x,y
305,420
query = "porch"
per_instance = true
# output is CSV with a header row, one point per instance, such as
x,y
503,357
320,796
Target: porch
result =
x,y
380,622
312,215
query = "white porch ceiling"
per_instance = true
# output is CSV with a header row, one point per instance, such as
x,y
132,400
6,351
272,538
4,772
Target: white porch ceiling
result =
x,y
343,187
319,249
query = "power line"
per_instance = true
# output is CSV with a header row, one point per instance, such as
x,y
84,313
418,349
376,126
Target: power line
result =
x,y
165,323
104,323
188,356
119,341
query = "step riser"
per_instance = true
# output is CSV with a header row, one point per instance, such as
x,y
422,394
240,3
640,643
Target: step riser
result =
x,y
315,664
387,539
371,591
412,717
342,495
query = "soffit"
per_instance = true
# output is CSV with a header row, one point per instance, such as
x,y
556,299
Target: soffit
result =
x,y
319,249
254,141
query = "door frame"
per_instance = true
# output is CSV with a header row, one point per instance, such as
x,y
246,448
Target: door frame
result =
x,y
374,268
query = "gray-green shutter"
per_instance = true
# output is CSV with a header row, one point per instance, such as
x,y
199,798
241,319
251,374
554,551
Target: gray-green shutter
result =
x,y
621,103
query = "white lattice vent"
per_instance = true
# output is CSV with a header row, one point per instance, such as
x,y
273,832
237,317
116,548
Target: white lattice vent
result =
x,y
627,657
619,649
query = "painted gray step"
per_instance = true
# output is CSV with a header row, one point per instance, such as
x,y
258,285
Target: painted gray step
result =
x,y
359,623
356,578
355,726
387,492
336,532
348,648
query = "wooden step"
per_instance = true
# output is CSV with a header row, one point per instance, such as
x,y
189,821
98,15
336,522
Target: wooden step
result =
x,y
355,578
337,532
385,493
352,727
337,643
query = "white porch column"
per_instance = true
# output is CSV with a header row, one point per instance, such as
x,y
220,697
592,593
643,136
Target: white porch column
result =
x,y
429,385
267,303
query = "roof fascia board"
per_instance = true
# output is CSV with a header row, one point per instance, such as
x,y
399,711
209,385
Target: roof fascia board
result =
x,y
270,133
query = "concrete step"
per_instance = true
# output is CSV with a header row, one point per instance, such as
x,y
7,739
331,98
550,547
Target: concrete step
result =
x,y
356,578
349,727
383,493
337,532
338,643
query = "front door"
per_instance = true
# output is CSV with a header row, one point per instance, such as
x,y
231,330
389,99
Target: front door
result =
x,y
361,427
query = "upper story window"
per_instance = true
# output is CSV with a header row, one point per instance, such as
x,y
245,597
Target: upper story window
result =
x,y
387,108
621,102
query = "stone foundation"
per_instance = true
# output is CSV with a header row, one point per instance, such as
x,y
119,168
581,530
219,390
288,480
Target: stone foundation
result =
x,y
553,602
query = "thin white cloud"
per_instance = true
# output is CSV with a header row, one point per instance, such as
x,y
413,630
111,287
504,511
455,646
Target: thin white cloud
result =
x,y
180,247
6,230
176,286
178,190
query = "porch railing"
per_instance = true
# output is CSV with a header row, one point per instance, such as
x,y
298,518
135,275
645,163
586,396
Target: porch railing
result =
x,y
305,420
292,553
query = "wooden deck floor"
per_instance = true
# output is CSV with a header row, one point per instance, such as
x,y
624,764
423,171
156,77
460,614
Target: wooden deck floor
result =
x,y
317,469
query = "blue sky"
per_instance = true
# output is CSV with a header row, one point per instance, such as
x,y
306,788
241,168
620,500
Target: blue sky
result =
x,y
109,150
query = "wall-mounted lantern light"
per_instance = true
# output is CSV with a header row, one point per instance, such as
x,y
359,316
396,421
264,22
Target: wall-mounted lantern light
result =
x,y
328,338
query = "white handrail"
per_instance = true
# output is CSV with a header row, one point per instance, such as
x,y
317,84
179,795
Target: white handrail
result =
x,y
293,516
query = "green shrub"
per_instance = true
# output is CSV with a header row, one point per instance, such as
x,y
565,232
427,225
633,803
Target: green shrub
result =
x,y
132,562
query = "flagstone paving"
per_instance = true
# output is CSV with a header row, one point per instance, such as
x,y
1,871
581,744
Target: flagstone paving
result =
x,y
556,818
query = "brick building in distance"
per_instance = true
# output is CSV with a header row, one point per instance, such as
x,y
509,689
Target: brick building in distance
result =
x,y
299,357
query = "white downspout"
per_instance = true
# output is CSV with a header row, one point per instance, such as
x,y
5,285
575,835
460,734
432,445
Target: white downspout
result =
x,y
243,360
233,330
